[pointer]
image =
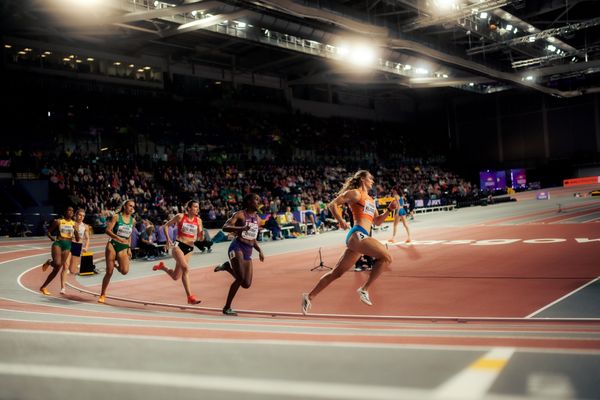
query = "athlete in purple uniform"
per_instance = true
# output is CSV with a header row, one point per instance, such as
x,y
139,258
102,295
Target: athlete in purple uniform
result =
x,y
245,224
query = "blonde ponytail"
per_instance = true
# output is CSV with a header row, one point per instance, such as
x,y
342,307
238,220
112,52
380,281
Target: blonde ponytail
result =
x,y
355,181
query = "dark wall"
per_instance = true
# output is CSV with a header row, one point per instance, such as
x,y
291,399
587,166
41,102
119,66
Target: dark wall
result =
x,y
525,129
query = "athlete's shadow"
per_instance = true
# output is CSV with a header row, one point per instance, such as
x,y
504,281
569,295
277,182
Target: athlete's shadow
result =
x,y
410,250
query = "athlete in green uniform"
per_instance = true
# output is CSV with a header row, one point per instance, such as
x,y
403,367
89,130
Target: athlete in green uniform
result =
x,y
118,249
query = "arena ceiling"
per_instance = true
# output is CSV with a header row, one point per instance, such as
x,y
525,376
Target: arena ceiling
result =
x,y
483,46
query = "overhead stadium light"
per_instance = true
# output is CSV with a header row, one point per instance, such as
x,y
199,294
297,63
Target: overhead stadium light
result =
x,y
84,3
342,51
445,4
362,56
421,71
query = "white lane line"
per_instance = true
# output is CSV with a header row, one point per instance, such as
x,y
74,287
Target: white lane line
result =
x,y
19,278
21,258
18,250
285,342
474,381
221,384
270,342
590,219
561,299
32,255
257,328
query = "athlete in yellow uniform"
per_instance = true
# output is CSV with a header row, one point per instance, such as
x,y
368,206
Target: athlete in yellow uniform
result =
x,y
61,246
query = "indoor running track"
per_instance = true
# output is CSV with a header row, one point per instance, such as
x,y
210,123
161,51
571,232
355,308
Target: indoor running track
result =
x,y
489,302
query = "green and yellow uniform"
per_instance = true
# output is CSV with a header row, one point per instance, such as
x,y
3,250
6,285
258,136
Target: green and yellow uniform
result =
x,y
65,234
122,229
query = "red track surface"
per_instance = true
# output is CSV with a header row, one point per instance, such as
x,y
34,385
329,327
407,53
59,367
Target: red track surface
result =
x,y
462,280
481,271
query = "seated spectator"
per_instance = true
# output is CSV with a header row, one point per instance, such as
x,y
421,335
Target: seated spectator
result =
x,y
206,244
291,221
326,219
146,242
272,225
161,239
100,223
311,218
221,237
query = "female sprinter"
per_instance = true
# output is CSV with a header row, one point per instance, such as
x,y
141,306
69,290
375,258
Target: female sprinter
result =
x,y
189,229
118,250
244,224
354,192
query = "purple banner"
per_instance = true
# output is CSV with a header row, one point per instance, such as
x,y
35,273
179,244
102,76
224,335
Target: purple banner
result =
x,y
518,178
487,180
543,196
492,180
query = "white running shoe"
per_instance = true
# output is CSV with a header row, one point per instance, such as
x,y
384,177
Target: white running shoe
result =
x,y
305,303
63,291
364,296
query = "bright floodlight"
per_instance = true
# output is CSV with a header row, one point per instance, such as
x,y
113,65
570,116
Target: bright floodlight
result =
x,y
85,3
362,56
551,47
343,51
421,71
445,4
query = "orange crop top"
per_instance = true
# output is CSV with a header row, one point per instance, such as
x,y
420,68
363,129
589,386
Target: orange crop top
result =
x,y
364,208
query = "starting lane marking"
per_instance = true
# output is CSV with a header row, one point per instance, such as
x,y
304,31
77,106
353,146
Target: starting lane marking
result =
x,y
475,380
533,314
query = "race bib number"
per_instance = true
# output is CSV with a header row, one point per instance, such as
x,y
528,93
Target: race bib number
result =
x,y
252,233
369,208
189,229
124,231
66,230
360,235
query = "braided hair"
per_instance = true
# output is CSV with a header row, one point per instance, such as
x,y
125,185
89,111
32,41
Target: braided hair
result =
x,y
247,199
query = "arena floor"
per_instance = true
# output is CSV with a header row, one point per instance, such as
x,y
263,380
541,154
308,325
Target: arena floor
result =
x,y
500,301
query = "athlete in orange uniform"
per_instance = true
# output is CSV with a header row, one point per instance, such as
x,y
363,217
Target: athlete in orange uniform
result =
x,y
358,241
189,229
